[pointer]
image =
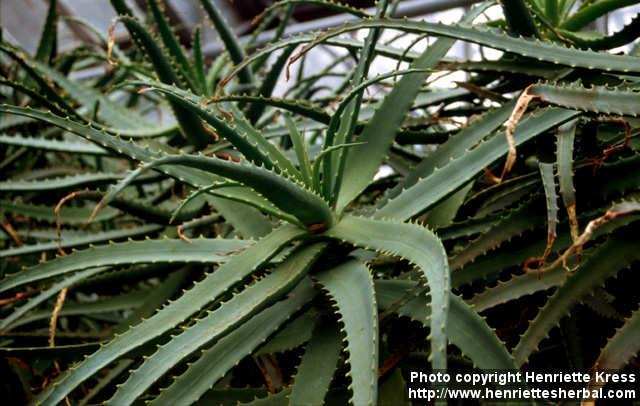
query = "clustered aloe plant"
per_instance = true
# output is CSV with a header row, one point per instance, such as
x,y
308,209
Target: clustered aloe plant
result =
x,y
256,256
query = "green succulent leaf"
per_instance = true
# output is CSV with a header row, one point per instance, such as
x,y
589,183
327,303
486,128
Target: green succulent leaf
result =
x,y
514,224
542,51
48,45
596,99
241,134
172,44
421,247
231,42
74,147
350,286
287,195
65,182
287,227
294,334
6,322
622,347
565,139
517,287
626,35
519,19
68,215
317,366
592,11
125,253
72,241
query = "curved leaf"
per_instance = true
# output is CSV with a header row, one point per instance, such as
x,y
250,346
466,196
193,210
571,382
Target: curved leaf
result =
x,y
240,134
284,193
592,11
418,245
595,99
236,52
626,35
517,287
543,51
623,346
317,366
350,286
519,19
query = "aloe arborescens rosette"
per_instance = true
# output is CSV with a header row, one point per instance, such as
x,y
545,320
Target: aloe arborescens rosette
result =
x,y
304,257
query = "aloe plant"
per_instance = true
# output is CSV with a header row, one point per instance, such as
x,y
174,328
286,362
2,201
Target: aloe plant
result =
x,y
253,251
